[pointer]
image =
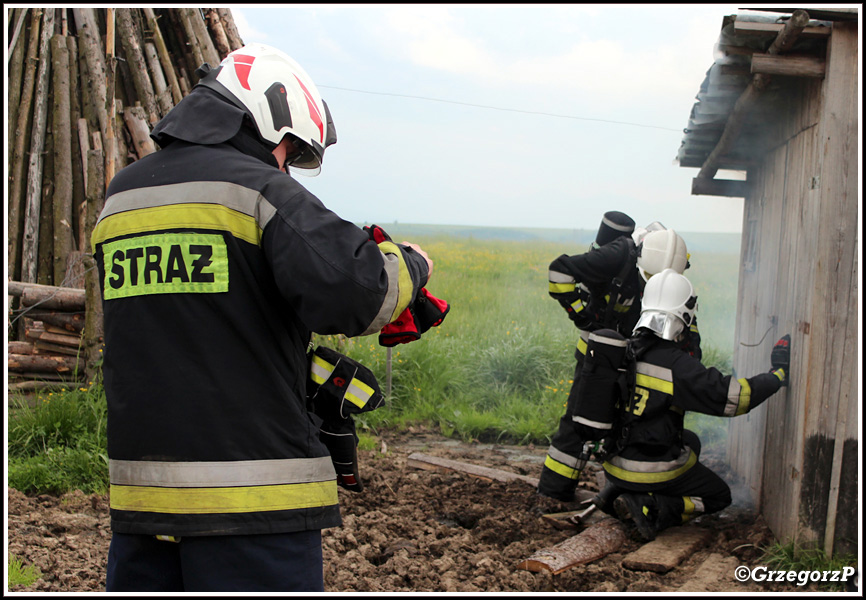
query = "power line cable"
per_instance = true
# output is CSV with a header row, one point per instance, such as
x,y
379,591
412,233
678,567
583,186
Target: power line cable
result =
x,y
527,112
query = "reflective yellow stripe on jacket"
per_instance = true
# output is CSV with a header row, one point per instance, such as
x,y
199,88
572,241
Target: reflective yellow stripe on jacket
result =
x,y
222,487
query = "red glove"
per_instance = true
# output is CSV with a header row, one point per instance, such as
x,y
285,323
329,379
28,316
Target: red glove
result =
x,y
427,311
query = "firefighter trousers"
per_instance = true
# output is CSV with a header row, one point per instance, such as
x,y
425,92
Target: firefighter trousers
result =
x,y
277,562
559,475
697,491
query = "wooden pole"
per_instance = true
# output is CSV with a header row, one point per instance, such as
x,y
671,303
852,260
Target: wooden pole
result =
x,y
45,245
137,64
221,42
111,76
160,88
201,36
78,188
93,298
231,30
22,138
136,124
63,238
30,247
16,74
164,58
94,59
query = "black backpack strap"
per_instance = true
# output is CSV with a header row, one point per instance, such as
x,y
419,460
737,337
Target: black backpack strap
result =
x,y
618,281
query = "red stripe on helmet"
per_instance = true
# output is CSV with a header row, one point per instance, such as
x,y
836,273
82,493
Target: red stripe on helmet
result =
x,y
314,110
243,64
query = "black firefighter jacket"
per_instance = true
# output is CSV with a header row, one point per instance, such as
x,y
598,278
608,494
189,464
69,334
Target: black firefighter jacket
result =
x,y
215,268
669,382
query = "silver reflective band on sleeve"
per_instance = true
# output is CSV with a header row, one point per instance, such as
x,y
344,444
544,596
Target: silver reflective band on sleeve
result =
x,y
557,277
392,296
220,474
739,397
588,423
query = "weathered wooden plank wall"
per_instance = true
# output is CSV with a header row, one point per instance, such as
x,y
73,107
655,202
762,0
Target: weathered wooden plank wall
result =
x,y
797,454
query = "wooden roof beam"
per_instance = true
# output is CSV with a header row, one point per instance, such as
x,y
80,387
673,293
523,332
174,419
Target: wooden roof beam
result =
x,y
755,29
792,66
784,40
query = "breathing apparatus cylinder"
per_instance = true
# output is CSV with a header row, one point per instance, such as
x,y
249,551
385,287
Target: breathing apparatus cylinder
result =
x,y
601,384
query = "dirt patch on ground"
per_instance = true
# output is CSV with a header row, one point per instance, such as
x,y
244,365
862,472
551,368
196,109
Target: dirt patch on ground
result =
x,y
414,530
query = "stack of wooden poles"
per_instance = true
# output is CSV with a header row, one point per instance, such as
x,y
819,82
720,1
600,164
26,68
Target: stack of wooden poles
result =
x,y
85,87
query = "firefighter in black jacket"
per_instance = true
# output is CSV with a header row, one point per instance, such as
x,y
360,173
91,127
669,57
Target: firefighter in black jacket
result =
x,y
216,265
656,460
601,289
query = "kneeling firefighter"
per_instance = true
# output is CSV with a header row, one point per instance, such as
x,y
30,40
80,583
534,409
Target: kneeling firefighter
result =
x,y
601,289
650,459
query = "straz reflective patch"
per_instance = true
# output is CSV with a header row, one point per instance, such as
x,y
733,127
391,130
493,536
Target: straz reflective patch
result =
x,y
168,263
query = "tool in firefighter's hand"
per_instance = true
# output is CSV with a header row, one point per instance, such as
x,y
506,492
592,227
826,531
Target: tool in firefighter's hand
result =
x,y
603,500
780,358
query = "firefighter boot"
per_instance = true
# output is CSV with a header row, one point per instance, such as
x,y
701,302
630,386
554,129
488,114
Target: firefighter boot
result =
x,y
643,510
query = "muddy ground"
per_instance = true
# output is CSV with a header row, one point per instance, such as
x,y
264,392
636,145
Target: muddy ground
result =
x,y
414,530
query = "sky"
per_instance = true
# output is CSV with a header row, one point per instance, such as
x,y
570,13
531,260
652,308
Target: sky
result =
x,y
505,115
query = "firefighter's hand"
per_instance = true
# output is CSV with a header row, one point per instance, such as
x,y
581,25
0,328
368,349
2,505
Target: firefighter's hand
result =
x,y
418,249
780,358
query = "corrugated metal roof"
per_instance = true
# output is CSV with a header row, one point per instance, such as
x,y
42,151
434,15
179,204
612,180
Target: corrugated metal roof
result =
x,y
727,78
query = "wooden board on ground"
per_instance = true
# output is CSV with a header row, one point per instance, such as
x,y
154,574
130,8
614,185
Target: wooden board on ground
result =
x,y
669,549
433,463
595,542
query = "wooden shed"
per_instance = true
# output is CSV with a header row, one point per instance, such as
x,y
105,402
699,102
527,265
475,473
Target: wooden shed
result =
x,y
781,105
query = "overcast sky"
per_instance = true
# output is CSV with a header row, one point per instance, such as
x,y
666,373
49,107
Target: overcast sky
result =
x,y
507,115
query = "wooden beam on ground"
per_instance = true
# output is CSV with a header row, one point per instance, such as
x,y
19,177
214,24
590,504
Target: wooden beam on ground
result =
x,y
790,66
670,548
435,463
718,187
595,542
785,38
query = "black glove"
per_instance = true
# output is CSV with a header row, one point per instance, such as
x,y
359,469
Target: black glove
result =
x,y
342,443
780,359
339,386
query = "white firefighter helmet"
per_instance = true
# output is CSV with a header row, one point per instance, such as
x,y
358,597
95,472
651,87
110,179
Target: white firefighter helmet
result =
x,y
281,99
660,250
640,232
668,305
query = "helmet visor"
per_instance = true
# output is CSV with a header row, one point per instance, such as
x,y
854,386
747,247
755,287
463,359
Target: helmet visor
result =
x,y
664,325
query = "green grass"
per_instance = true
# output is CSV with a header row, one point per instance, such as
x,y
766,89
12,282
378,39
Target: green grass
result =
x,y
21,574
57,442
500,366
806,559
